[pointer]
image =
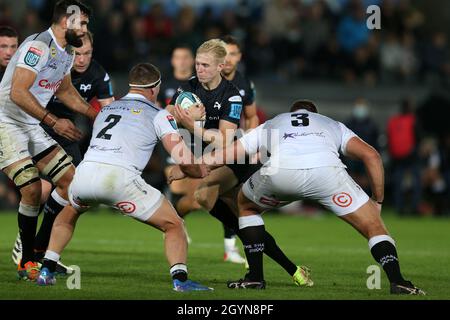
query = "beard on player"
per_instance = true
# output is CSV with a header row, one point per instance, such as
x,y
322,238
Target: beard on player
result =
x,y
73,39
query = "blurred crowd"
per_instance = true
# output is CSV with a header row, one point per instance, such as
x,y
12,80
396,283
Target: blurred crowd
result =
x,y
297,39
283,39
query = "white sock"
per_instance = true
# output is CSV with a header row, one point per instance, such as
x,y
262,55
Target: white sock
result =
x,y
230,244
51,255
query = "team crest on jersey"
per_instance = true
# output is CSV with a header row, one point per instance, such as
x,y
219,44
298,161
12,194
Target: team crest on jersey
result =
x,y
85,87
172,122
33,56
136,111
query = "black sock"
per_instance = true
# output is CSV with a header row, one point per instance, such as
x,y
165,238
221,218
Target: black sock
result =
x,y
179,272
51,210
27,230
49,264
227,217
228,233
272,249
253,240
384,253
229,221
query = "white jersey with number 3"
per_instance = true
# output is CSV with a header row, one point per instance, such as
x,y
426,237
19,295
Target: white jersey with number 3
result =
x,y
126,132
300,140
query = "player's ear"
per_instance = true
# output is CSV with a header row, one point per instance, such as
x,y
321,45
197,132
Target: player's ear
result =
x,y
63,22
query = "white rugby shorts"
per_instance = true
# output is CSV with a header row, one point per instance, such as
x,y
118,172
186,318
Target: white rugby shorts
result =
x,y
330,186
19,141
97,183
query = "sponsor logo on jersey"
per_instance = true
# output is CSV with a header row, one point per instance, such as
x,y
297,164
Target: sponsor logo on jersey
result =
x,y
172,121
44,83
85,87
136,111
33,56
235,99
53,52
126,207
242,93
236,109
342,199
217,105
53,65
289,135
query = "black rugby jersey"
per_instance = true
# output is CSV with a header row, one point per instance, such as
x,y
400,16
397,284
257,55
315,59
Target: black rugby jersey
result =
x,y
246,88
169,87
221,103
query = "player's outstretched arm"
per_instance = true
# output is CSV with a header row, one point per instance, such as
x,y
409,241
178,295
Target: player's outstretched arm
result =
x,y
68,95
174,145
357,148
22,81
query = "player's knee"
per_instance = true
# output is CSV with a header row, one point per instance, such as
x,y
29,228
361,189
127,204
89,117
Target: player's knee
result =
x,y
60,169
175,224
25,176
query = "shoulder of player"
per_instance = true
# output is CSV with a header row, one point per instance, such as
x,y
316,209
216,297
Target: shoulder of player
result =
x,y
191,83
97,71
232,93
41,44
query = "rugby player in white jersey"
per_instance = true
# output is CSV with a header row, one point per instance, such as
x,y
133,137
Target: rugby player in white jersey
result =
x,y
38,70
123,139
304,163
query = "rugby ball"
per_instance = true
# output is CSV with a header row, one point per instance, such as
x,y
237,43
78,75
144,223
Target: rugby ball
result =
x,y
186,99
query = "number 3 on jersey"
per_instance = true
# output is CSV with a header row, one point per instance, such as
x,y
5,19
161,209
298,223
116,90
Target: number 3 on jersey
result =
x,y
113,119
299,119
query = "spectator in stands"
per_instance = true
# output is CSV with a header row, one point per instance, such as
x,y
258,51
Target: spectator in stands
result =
x,y
436,64
403,141
365,127
433,183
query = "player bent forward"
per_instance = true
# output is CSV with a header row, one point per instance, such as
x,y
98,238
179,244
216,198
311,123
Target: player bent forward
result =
x,y
123,138
307,149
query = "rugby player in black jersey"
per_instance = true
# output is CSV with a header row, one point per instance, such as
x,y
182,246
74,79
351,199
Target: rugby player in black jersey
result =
x,y
223,105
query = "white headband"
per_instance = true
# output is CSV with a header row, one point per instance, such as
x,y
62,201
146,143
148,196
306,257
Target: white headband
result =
x,y
150,85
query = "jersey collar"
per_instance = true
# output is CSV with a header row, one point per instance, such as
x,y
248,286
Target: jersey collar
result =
x,y
54,39
135,96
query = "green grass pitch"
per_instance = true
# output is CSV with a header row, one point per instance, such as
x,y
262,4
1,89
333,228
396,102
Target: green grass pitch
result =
x,y
123,259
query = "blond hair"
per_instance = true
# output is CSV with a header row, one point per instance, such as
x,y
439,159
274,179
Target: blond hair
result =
x,y
216,47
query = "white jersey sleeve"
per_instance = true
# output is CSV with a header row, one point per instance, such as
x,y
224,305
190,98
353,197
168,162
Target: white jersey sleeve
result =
x,y
164,123
252,140
346,135
33,56
69,69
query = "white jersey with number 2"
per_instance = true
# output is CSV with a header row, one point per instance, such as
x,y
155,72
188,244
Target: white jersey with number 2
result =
x,y
126,132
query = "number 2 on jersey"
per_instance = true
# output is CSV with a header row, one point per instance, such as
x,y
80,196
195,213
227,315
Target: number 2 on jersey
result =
x,y
299,119
113,119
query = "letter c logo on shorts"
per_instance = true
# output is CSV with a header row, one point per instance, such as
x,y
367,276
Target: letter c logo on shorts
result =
x,y
126,207
342,199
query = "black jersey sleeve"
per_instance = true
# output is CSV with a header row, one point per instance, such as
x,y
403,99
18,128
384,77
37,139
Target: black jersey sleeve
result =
x,y
232,106
102,83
